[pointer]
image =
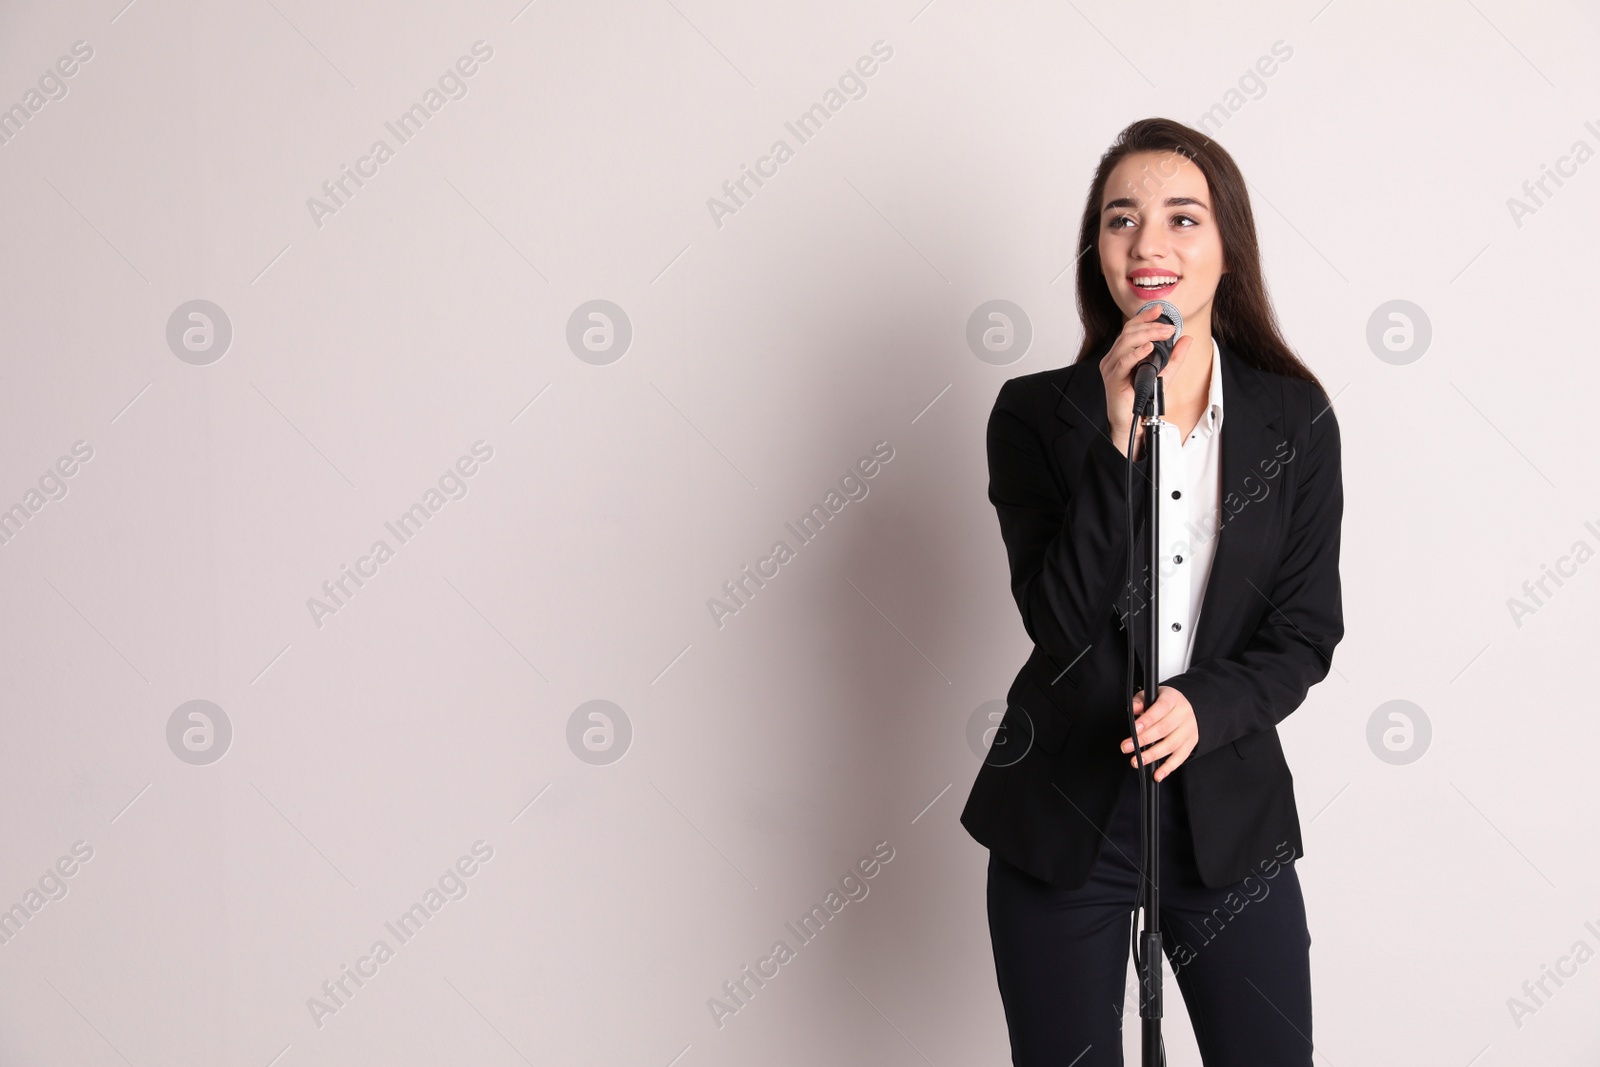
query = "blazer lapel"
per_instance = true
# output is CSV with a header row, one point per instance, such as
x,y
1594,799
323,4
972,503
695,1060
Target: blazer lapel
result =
x,y
1081,410
1250,498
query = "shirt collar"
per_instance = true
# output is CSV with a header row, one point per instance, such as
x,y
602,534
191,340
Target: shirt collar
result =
x,y
1214,407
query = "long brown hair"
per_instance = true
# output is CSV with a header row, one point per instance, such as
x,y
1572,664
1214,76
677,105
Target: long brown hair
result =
x,y
1241,314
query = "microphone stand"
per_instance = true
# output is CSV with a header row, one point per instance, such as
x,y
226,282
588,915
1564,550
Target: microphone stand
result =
x,y
1153,1053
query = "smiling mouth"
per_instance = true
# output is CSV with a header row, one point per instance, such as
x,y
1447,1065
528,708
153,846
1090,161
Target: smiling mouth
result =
x,y
1151,282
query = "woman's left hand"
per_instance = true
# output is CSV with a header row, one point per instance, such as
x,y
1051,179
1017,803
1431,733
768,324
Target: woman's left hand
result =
x,y
1167,729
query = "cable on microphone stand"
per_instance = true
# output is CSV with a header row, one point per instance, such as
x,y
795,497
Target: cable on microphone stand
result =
x,y
1140,900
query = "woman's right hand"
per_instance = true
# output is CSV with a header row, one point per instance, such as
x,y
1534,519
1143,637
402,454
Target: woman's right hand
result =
x,y
1137,340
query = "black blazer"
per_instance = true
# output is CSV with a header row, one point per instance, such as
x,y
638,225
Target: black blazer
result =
x,y
1268,624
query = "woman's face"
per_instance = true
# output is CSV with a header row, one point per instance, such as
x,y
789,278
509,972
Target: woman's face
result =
x,y
1156,227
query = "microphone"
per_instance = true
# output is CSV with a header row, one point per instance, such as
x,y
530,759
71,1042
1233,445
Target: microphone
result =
x,y
1144,375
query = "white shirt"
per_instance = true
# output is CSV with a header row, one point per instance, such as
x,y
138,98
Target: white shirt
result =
x,y
1190,513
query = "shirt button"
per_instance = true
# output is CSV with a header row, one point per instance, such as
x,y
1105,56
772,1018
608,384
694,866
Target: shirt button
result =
x,y
1177,559
1177,626
1176,494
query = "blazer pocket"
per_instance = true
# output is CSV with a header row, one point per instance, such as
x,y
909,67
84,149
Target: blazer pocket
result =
x,y
1049,721
1055,673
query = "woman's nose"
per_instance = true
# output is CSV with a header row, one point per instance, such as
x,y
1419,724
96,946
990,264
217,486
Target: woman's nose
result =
x,y
1149,244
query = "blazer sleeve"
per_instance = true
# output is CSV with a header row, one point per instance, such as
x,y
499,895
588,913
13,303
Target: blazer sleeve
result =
x,y
1067,552
1302,616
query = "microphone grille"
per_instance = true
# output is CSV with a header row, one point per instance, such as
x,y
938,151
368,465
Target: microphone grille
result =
x,y
1170,312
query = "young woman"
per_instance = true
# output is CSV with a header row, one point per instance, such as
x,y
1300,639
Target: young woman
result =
x,y
1249,613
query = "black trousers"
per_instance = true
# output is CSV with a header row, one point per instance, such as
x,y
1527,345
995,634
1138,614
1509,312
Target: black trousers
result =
x,y
1240,953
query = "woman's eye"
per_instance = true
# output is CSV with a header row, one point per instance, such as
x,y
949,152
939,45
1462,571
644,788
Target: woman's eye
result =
x,y
1115,223
1185,218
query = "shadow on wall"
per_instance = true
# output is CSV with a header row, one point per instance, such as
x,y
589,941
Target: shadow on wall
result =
x,y
910,584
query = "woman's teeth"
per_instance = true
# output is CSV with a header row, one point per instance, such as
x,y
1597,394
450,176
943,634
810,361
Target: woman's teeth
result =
x,y
1156,283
